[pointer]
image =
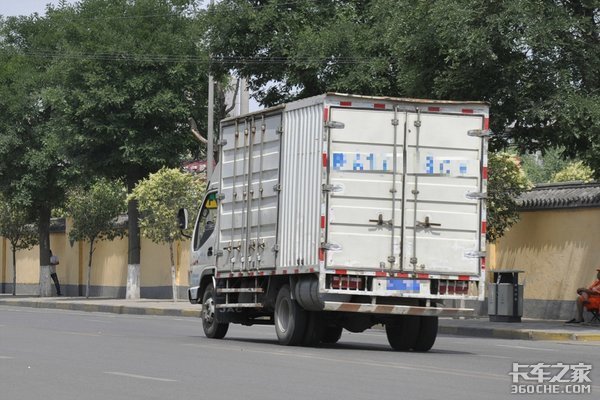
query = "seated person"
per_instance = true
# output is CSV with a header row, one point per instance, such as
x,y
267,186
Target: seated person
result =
x,y
591,294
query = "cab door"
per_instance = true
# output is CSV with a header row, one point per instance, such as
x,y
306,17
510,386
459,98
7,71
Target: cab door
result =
x,y
204,237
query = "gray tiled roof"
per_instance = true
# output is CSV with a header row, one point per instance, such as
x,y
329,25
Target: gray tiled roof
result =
x,y
561,195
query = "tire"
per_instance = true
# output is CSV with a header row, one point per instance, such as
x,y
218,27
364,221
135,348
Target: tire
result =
x,y
402,333
314,329
290,318
212,329
331,334
428,330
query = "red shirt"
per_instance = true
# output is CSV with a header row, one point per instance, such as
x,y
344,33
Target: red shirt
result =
x,y
595,287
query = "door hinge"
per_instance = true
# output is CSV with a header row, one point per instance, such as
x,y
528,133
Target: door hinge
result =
x,y
332,188
331,246
277,188
279,130
480,133
476,196
334,125
222,143
417,123
475,254
395,122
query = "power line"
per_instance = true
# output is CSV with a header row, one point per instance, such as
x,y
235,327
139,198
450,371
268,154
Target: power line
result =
x,y
181,58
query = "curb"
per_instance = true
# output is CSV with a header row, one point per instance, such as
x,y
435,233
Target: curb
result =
x,y
133,310
519,334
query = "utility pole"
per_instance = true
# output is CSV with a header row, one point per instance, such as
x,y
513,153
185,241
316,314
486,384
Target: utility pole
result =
x,y
211,124
244,96
210,135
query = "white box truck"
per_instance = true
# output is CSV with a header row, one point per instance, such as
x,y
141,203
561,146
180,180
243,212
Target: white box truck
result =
x,y
342,212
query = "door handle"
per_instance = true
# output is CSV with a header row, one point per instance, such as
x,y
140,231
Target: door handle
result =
x,y
380,221
209,253
427,223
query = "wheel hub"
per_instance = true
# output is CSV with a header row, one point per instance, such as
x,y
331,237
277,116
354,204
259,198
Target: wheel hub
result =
x,y
208,310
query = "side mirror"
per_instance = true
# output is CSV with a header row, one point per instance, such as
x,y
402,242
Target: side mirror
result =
x,y
182,218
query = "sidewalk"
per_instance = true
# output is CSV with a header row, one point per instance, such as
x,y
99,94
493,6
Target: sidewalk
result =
x,y
477,327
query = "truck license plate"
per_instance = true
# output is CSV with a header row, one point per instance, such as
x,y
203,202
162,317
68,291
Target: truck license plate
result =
x,y
404,285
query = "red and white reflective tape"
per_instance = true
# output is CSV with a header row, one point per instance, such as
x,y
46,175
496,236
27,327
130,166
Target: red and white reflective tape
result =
x,y
323,216
403,275
484,188
400,310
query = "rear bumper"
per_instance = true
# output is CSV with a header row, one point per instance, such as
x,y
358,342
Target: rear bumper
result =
x,y
397,310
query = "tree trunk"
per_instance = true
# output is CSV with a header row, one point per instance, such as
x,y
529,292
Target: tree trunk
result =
x,y
173,275
133,259
14,254
44,239
89,270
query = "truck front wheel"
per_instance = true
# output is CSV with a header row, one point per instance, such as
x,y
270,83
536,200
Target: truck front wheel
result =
x,y
212,329
290,318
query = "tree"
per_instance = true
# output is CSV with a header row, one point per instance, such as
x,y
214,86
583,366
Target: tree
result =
x,y
94,212
506,182
290,50
574,171
33,172
160,196
17,227
131,75
541,167
537,63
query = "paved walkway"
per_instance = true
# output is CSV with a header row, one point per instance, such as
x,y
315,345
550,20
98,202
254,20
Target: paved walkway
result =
x,y
476,327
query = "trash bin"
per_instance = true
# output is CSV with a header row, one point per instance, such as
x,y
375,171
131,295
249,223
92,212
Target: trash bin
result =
x,y
505,297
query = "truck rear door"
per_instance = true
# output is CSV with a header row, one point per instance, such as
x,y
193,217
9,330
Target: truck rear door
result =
x,y
443,217
365,180
399,187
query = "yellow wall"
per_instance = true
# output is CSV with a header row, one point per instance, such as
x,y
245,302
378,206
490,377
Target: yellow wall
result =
x,y
109,263
559,250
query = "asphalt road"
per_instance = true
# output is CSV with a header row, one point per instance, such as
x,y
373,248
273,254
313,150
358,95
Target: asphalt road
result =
x,y
62,355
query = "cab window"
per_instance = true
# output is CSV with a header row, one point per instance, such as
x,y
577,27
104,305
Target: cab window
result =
x,y
205,225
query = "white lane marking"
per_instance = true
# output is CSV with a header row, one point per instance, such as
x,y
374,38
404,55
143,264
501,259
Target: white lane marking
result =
x,y
150,378
491,356
379,364
99,320
6,358
525,348
79,333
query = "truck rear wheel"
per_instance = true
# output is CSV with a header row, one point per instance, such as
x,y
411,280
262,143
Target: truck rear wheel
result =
x,y
212,329
403,332
331,334
290,318
314,329
427,333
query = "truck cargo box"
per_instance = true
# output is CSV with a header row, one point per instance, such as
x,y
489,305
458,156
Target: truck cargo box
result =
x,y
364,184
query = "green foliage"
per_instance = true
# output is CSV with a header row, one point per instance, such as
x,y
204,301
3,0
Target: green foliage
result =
x,y
506,182
541,168
160,196
129,75
574,171
16,225
95,209
537,63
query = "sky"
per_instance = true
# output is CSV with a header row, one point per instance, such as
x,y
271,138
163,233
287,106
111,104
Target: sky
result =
x,y
24,7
